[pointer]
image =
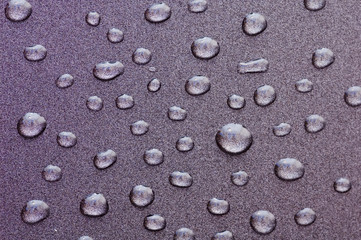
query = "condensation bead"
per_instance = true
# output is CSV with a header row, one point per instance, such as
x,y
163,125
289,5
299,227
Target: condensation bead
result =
x,y
64,81
158,12
263,222
264,95
254,23
94,205
239,178
52,173
314,123
289,169
282,129
304,86
35,211
93,18
154,222
218,207
184,144
197,6
342,185
106,71
35,53
141,196
197,85
154,85
205,48
236,102
142,56
153,157
105,159
353,96
305,217
31,125
322,58
94,103
115,35
234,138
184,234
180,179
18,10
124,102
139,128
254,66
66,139
176,113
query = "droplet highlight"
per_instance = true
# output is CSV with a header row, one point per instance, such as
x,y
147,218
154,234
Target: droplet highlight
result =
x,y
218,207
236,102
18,10
105,159
124,102
141,196
322,58
93,19
254,66
305,217
184,234
154,222
154,85
35,53
139,128
197,85
177,114
289,169
315,123
205,48
106,71
64,81
225,235
314,5
52,173
253,24
180,179
234,138
353,96
240,178
142,56
153,157
94,205
31,125
94,103
35,211
157,13
263,222
66,139
185,144
115,35
197,6
264,95
342,185
282,129
304,86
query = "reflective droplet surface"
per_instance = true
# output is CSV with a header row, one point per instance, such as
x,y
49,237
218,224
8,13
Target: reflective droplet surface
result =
x,y
94,205
184,234
52,173
314,5
322,58
106,71
18,10
289,169
254,66
305,217
124,102
35,53
139,128
197,6
218,207
239,178
85,238
115,35
142,56
342,185
105,159
236,102
263,222
154,85
31,125
66,139
184,144
93,19
254,23
176,113
197,85
180,179
314,123
304,86
64,81
264,95
141,196
205,48
153,157
94,103
158,12
225,235
353,96
154,222
281,130
234,138
35,211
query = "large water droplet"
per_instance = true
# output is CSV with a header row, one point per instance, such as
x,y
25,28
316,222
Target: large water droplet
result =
x,y
66,139
139,128
180,179
254,23
153,157
264,95
35,53
342,185
218,207
239,178
94,103
305,217
35,211
158,12
18,10
52,173
85,238
289,169
254,66
225,235
31,125
236,102
115,35
154,222
154,85
184,144
234,138
184,234
141,196
64,81
197,85
322,58
197,6
205,48
93,19
142,56
105,159
124,102
106,71
94,205
353,96
304,86
176,113
314,123
314,5
282,129
263,222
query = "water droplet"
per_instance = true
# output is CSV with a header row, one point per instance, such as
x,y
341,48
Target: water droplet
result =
x,y
239,178
152,69
66,139
153,157
115,35
263,222
304,86
141,196
264,95
52,173
35,211
139,128
158,12
142,56
94,103
314,5
35,53
254,23
85,238
94,205
218,207
18,10
314,123
342,185
31,125
197,6
105,159
64,81
154,85
124,102
176,113
197,85
322,58
184,144
184,234
305,217
93,19
289,169
282,129
180,179
234,138
225,235
154,222
236,102
254,66
353,96
106,71
205,48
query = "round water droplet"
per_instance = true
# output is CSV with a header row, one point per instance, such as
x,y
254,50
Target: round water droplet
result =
x,y
197,85
94,103
105,159
180,179
289,169
184,234
264,95
322,58
66,139
94,205
35,53
142,56
31,125
176,113
239,178
184,144
18,10
52,173
314,123
152,69
263,222
154,85
197,6
314,5
64,81
124,102
353,96
35,211
93,19
139,128
254,23
141,196
225,235
115,35
154,222
106,71
282,129
85,238
236,102
305,217
153,157
234,138
205,48
342,185
218,207
158,12
304,86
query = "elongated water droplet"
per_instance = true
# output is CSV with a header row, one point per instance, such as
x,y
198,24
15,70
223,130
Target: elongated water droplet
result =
x,y
85,238
139,128
314,5
282,129
142,56
180,179
254,23
18,10
184,144
93,19
304,86
31,125
218,207
322,58
264,95
154,85
176,113
184,234
254,66
289,169
263,222
234,138
236,102
197,85
105,159
64,81
305,217
158,12
314,123
94,205
124,102
342,185
35,211
225,235
197,6
35,53
205,48
106,71
66,139
115,35
141,196
94,103
153,157
52,173
239,178
154,222
353,96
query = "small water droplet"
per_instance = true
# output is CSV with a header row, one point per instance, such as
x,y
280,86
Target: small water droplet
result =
x,y
18,10
115,35
105,159
289,169
141,196
64,81
254,66
152,69
254,23
180,179
93,19
35,53
282,129
154,85
139,128
342,185
184,144
52,173
304,86
314,123
124,102
234,138
305,217
353,96
184,234
263,222
225,235
106,71
158,12
153,157
35,211
236,102
314,5
197,6
85,238
218,207
264,95
31,125
240,178
94,205
322,58
205,48
176,113
94,103
142,56
66,139
197,85
154,222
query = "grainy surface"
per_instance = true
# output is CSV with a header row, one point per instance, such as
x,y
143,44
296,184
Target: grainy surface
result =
x,y
292,35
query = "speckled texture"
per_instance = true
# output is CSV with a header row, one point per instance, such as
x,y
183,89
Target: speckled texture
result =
x,y
292,35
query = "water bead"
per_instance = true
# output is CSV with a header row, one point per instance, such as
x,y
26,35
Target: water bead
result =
x,y
322,58
52,173
35,53
218,207
289,169
264,95
142,56
184,234
64,81
236,102
184,144
314,123
282,129
153,157
158,12
342,185
154,85
305,217
176,113
115,35
35,211
94,103
31,125
314,5
353,96
154,222
239,178
254,23
18,10
141,196
94,205
225,235
93,18
66,139
139,128
124,102
180,179
197,85
197,6
106,71
105,159
253,66
263,222
304,86
205,48
234,138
